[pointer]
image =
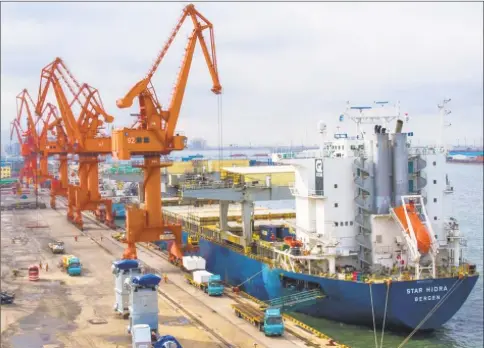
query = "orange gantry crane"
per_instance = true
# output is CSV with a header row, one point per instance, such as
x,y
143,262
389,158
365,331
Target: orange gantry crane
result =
x,y
28,139
26,172
154,135
83,137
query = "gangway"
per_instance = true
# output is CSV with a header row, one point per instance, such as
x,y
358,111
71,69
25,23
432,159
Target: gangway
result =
x,y
291,300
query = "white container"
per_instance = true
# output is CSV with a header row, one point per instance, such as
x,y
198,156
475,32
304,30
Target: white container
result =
x,y
201,263
201,276
189,262
141,335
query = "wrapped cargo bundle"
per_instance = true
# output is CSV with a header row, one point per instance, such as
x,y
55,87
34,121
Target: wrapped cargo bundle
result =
x,y
201,276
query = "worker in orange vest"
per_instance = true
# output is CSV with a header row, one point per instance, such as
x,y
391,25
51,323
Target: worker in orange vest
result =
x,y
165,278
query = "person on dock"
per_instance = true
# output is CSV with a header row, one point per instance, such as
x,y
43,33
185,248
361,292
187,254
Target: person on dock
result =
x,y
75,238
40,264
46,267
165,278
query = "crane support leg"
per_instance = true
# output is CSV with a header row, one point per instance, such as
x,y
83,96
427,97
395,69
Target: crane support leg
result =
x,y
59,188
146,224
86,197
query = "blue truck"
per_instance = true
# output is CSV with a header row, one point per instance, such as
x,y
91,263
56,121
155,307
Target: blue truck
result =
x,y
269,321
206,281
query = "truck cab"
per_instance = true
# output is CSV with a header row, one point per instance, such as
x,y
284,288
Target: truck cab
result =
x,y
273,322
215,286
74,266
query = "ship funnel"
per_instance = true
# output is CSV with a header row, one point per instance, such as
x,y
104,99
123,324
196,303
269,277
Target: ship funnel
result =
x,y
400,164
382,159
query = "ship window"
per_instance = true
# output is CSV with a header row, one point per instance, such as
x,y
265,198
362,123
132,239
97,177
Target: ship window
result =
x,y
335,185
139,140
146,139
434,163
378,238
435,218
341,224
435,200
351,223
346,223
336,205
336,224
435,181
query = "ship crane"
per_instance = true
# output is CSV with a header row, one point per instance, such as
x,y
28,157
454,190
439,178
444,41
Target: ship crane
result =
x,y
153,135
83,137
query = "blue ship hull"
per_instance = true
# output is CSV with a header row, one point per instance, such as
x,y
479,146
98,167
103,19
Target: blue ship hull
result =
x,y
408,304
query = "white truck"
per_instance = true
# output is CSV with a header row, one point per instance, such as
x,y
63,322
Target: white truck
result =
x,y
57,247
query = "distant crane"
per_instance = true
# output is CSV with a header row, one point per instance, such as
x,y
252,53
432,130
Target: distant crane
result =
x,y
153,135
83,138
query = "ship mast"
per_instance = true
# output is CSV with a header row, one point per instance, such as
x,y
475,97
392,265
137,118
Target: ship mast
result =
x,y
362,118
443,112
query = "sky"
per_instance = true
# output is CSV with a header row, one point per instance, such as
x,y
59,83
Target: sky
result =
x,y
283,66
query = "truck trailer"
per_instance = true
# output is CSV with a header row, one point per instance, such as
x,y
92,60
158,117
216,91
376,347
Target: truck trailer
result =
x,y
206,281
268,321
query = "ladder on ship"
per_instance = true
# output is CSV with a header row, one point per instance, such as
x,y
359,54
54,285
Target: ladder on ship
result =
x,y
297,298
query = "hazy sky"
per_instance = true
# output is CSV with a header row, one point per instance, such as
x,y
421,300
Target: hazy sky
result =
x,y
283,66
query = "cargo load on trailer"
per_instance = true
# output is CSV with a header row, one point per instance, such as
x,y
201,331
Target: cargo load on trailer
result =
x,y
206,281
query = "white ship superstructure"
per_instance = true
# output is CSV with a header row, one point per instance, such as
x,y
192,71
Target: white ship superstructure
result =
x,y
372,201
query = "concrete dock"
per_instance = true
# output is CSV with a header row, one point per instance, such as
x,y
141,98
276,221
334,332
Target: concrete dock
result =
x,y
84,311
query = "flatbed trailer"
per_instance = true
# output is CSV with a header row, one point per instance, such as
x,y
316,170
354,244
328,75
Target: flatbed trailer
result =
x,y
201,286
250,313
268,321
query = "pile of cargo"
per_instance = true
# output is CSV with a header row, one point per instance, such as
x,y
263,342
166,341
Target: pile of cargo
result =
x,y
200,278
191,263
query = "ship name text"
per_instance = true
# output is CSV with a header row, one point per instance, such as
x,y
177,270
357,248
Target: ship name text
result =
x,y
427,292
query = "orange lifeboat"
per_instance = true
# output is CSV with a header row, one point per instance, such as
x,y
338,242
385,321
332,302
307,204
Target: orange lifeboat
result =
x,y
292,242
421,232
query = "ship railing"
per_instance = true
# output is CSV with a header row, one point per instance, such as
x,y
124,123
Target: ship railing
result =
x,y
425,150
305,192
364,240
363,164
365,203
300,297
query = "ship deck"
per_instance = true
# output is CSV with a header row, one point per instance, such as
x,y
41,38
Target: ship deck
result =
x,y
209,214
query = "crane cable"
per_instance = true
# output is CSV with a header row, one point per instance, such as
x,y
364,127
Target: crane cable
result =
x,y
220,130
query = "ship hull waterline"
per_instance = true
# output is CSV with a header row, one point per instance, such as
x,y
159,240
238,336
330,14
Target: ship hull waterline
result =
x,y
408,302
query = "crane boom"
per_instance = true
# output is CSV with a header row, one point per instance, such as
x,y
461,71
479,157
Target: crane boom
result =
x,y
153,135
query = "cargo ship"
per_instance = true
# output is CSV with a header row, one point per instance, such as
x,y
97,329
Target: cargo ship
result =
x,y
369,244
